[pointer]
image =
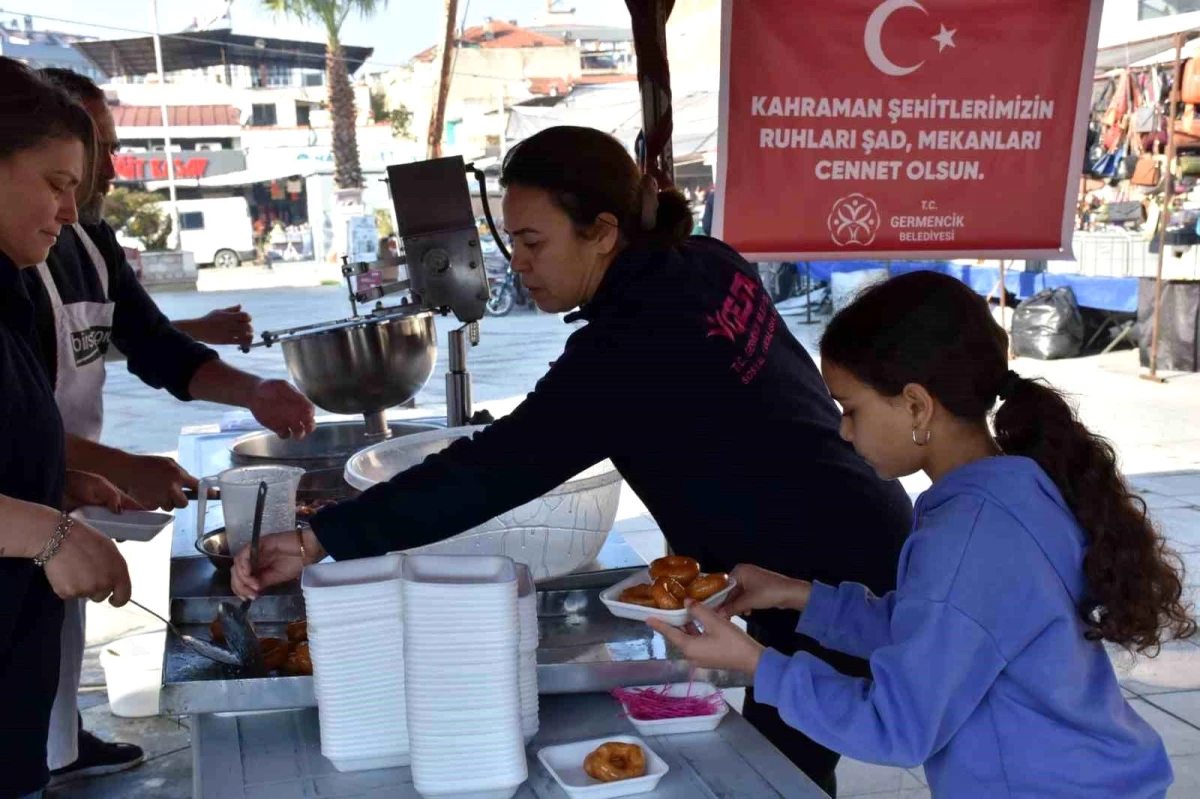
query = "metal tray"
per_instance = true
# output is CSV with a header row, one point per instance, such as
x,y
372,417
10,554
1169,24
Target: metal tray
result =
x,y
328,446
582,647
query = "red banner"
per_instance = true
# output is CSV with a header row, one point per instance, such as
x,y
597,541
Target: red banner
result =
x,y
903,129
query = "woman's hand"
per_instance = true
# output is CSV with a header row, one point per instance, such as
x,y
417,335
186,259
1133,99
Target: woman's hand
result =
x,y
760,589
279,560
84,488
89,566
721,644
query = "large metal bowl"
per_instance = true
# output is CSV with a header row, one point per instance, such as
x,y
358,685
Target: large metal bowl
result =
x,y
365,365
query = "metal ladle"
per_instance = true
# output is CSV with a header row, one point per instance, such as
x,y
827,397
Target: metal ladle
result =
x,y
243,648
205,649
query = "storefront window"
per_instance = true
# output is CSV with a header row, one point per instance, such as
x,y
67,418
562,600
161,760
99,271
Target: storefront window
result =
x,y
1154,9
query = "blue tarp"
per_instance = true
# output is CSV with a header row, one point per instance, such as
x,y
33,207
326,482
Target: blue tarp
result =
x,y
1105,293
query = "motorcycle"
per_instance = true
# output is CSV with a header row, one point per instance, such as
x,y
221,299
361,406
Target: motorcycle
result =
x,y
507,291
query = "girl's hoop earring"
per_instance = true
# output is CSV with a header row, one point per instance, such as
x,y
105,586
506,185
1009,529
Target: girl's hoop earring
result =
x,y
928,433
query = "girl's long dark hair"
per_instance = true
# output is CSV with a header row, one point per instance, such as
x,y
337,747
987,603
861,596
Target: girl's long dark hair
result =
x,y
932,330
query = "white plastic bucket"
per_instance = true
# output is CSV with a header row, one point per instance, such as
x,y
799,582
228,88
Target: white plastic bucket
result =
x,y
133,672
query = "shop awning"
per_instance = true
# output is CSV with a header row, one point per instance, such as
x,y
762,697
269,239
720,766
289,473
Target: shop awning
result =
x,y
250,176
199,49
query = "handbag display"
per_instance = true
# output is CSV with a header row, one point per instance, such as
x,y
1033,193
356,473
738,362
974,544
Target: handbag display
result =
x,y
1146,119
1122,213
1146,172
1189,86
1189,165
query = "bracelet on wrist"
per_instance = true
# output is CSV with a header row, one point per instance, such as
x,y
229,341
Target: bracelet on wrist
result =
x,y
303,553
61,530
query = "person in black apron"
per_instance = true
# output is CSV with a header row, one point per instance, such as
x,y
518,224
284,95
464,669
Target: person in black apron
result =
x,y
45,556
684,376
88,298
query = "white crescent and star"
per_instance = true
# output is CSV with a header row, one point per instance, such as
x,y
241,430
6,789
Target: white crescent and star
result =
x,y
872,36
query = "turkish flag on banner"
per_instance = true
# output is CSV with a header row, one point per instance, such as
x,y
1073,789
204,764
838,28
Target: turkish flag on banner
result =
x,y
903,128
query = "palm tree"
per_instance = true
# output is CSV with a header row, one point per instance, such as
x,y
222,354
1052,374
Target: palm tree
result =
x,y
332,14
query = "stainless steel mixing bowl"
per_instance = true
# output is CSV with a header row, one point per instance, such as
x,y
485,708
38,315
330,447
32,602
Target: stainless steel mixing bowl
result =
x,y
363,365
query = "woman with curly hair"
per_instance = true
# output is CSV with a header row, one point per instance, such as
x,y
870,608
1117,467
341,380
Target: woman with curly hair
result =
x,y
1029,550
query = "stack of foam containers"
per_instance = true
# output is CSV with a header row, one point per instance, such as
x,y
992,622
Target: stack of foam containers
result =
x,y
527,651
356,640
461,636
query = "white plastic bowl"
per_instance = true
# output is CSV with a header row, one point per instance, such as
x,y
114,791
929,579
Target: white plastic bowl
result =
x,y
563,529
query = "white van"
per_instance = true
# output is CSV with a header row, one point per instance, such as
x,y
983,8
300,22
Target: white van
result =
x,y
217,230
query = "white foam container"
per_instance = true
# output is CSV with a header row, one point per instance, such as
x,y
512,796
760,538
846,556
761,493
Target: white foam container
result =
x,y
357,654
353,579
565,764
133,673
131,525
705,723
627,610
471,652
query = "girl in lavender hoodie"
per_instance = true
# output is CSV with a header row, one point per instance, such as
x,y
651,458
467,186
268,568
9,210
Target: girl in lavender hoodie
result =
x,y
1029,550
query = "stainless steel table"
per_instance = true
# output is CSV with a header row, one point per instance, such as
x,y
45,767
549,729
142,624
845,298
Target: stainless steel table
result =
x,y
278,756
582,648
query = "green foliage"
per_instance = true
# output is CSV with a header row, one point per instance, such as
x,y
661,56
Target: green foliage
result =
x,y
139,215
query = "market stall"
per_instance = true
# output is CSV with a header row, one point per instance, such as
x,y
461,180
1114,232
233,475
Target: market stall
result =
x,y
373,360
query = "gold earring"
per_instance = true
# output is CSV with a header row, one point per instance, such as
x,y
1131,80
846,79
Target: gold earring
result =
x,y
928,433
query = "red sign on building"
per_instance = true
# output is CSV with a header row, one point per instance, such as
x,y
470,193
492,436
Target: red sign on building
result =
x,y
903,129
137,167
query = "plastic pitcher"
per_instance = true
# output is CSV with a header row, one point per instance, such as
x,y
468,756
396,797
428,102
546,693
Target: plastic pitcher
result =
x,y
239,495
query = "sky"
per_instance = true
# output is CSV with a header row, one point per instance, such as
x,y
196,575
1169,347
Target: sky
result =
x,y
402,29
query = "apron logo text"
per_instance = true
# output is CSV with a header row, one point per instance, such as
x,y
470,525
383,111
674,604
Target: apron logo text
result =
x,y
90,345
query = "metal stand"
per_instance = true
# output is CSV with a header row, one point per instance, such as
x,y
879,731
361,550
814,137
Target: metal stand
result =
x,y
376,426
808,290
458,379
1165,218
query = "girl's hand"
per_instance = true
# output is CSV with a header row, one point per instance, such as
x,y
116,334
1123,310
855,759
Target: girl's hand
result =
x,y
721,644
760,589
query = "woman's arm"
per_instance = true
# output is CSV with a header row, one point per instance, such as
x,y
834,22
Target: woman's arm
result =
x,y
564,426
81,563
26,528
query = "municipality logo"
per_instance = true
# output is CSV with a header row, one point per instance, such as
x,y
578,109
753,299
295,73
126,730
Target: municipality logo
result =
x,y
90,345
854,220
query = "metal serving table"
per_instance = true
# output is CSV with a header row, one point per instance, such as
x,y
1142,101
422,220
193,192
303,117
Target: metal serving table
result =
x,y
278,756
582,647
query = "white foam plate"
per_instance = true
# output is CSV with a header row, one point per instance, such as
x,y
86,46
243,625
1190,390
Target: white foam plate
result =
x,y
675,618
688,724
565,764
132,525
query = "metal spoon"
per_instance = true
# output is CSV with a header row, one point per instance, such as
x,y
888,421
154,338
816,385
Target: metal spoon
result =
x,y
206,649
